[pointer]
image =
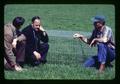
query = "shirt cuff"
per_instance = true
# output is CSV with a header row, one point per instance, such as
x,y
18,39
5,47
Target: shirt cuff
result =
x,y
102,62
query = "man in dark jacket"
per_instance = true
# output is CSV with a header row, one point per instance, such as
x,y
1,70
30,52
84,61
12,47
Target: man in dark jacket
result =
x,y
14,44
36,42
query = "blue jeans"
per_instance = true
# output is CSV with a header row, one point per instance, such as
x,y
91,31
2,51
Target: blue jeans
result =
x,y
105,54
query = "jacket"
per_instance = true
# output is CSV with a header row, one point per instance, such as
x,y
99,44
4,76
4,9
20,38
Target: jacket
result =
x,y
10,34
34,39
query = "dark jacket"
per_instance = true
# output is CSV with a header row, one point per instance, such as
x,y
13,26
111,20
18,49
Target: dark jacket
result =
x,y
34,39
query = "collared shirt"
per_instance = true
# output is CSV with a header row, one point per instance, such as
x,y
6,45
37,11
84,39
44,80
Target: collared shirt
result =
x,y
107,32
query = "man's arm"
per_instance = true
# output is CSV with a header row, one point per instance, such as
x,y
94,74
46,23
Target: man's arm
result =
x,y
103,39
44,35
19,38
8,50
84,39
106,36
79,36
37,55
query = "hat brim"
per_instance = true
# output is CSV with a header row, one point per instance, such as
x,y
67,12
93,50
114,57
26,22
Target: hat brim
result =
x,y
94,20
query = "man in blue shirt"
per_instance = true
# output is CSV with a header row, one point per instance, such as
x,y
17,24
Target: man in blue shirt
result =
x,y
102,36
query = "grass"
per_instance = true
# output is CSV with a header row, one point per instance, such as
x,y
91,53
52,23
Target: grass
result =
x,y
69,51
65,56
61,71
62,16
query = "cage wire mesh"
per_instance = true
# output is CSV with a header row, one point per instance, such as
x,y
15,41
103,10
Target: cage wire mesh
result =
x,y
64,49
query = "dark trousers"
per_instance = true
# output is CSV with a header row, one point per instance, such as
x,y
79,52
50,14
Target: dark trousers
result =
x,y
105,54
20,52
43,52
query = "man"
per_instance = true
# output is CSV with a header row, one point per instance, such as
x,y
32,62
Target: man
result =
x,y
36,42
14,44
102,37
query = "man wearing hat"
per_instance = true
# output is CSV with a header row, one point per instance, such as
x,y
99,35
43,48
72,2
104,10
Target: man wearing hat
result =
x,y
102,36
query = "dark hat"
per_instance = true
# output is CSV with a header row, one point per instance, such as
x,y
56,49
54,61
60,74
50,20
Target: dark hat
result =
x,y
98,18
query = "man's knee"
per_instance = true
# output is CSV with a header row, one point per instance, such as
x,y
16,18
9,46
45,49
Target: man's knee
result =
x,y
90,62
23,42
45,46
101,45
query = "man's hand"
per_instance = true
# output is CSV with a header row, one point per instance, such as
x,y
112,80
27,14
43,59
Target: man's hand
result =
x,y
93,42
77,35
37,55
103,39
14,43
81,37
41,28
18,68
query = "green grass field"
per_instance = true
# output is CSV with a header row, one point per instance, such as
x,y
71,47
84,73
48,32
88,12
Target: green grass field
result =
x,y
65,56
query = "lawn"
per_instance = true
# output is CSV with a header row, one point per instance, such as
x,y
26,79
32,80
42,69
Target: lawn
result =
x,y
66,55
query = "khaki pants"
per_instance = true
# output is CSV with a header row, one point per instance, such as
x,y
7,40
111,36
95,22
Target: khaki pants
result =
x,y
19,52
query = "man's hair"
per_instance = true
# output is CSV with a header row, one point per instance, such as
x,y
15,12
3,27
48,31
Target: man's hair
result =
x,y
102,22
18,21
35,17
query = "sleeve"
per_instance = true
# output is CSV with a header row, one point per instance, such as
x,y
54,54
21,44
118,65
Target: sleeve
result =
x,y
92,36
9,55
21,37
44,36
30,40
107,33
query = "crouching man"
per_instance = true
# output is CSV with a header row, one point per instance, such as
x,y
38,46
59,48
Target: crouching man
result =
x,y
36,42
102,36
14,45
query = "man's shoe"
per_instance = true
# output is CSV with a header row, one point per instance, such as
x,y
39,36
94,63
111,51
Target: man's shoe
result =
x,y
43,61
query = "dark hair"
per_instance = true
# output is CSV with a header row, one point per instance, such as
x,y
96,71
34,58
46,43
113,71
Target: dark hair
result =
x,y
101,22
18,21
35,17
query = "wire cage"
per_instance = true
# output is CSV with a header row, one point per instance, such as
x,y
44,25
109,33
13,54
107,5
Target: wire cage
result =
x,y
64,49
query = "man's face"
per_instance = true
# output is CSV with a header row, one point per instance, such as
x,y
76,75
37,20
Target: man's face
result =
x,y
98,25
36,24
18,27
